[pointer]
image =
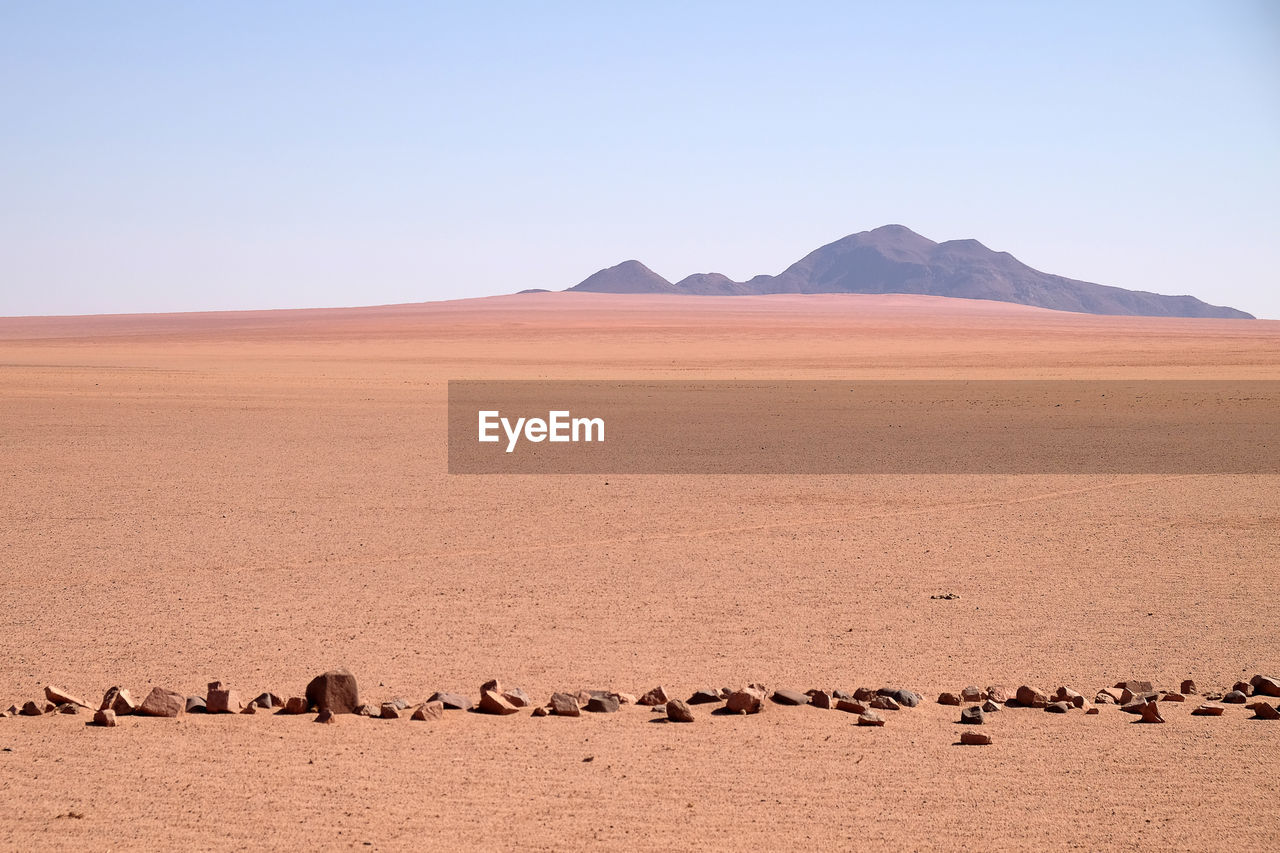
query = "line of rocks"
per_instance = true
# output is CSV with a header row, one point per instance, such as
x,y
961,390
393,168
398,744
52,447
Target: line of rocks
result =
x,y
336,692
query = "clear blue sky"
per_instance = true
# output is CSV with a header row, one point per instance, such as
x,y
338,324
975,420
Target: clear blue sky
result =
x,y
181,156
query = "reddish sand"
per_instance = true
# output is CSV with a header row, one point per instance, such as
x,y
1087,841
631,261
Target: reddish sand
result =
x,y
259,496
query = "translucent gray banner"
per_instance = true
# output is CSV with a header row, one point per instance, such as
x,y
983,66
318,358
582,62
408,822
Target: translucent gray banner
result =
x,y
865,427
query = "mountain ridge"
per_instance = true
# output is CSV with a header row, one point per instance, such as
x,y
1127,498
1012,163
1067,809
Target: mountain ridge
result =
x,y
895,259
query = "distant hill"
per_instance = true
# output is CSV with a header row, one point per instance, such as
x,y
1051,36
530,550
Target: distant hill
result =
x,y
895,259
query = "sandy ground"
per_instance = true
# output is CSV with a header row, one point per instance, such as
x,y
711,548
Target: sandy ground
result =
x,y
259,496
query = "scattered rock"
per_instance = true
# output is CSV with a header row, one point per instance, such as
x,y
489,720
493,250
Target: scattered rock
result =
x,y
196,705
120,701
36,709
1030,697
656,696
1090,709
1243,687
1058,707
389,711
1265,685
870,718
1235,697
948,699
1071,697
366,710
1134,707
541,712
1107,697
679,712
1135,686
905,698
428,711
999,693
69,708
885,703
821,699
1188,688
326,715
223,700
864,694
335,690
704,697
972,695
1209,709
784,696
105,718
1172,697
296,705
852,706
1263,711
564,705
161,702
990,707
972,716
603,705
251,708
271,700
946,596
517,697
744,702
492,702
58,696
1151,713
451,701
625,698
972,738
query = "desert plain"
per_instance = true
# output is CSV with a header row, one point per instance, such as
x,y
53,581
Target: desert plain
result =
x,y
256,497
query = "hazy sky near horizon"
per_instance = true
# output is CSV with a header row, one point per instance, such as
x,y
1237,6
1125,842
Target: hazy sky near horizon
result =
x,y
169,157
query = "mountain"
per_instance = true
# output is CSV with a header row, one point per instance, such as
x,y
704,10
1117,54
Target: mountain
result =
x,y
895,259
627,277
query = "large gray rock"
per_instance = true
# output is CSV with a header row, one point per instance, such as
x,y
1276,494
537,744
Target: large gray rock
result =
x,y
1263,711
120,701
679,712
705,696
603,704
905,698
1265,685
429,711
1151,713
58,696
161,702
451,701
744,702
335,690
493,702
222,700
785,696
565,705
